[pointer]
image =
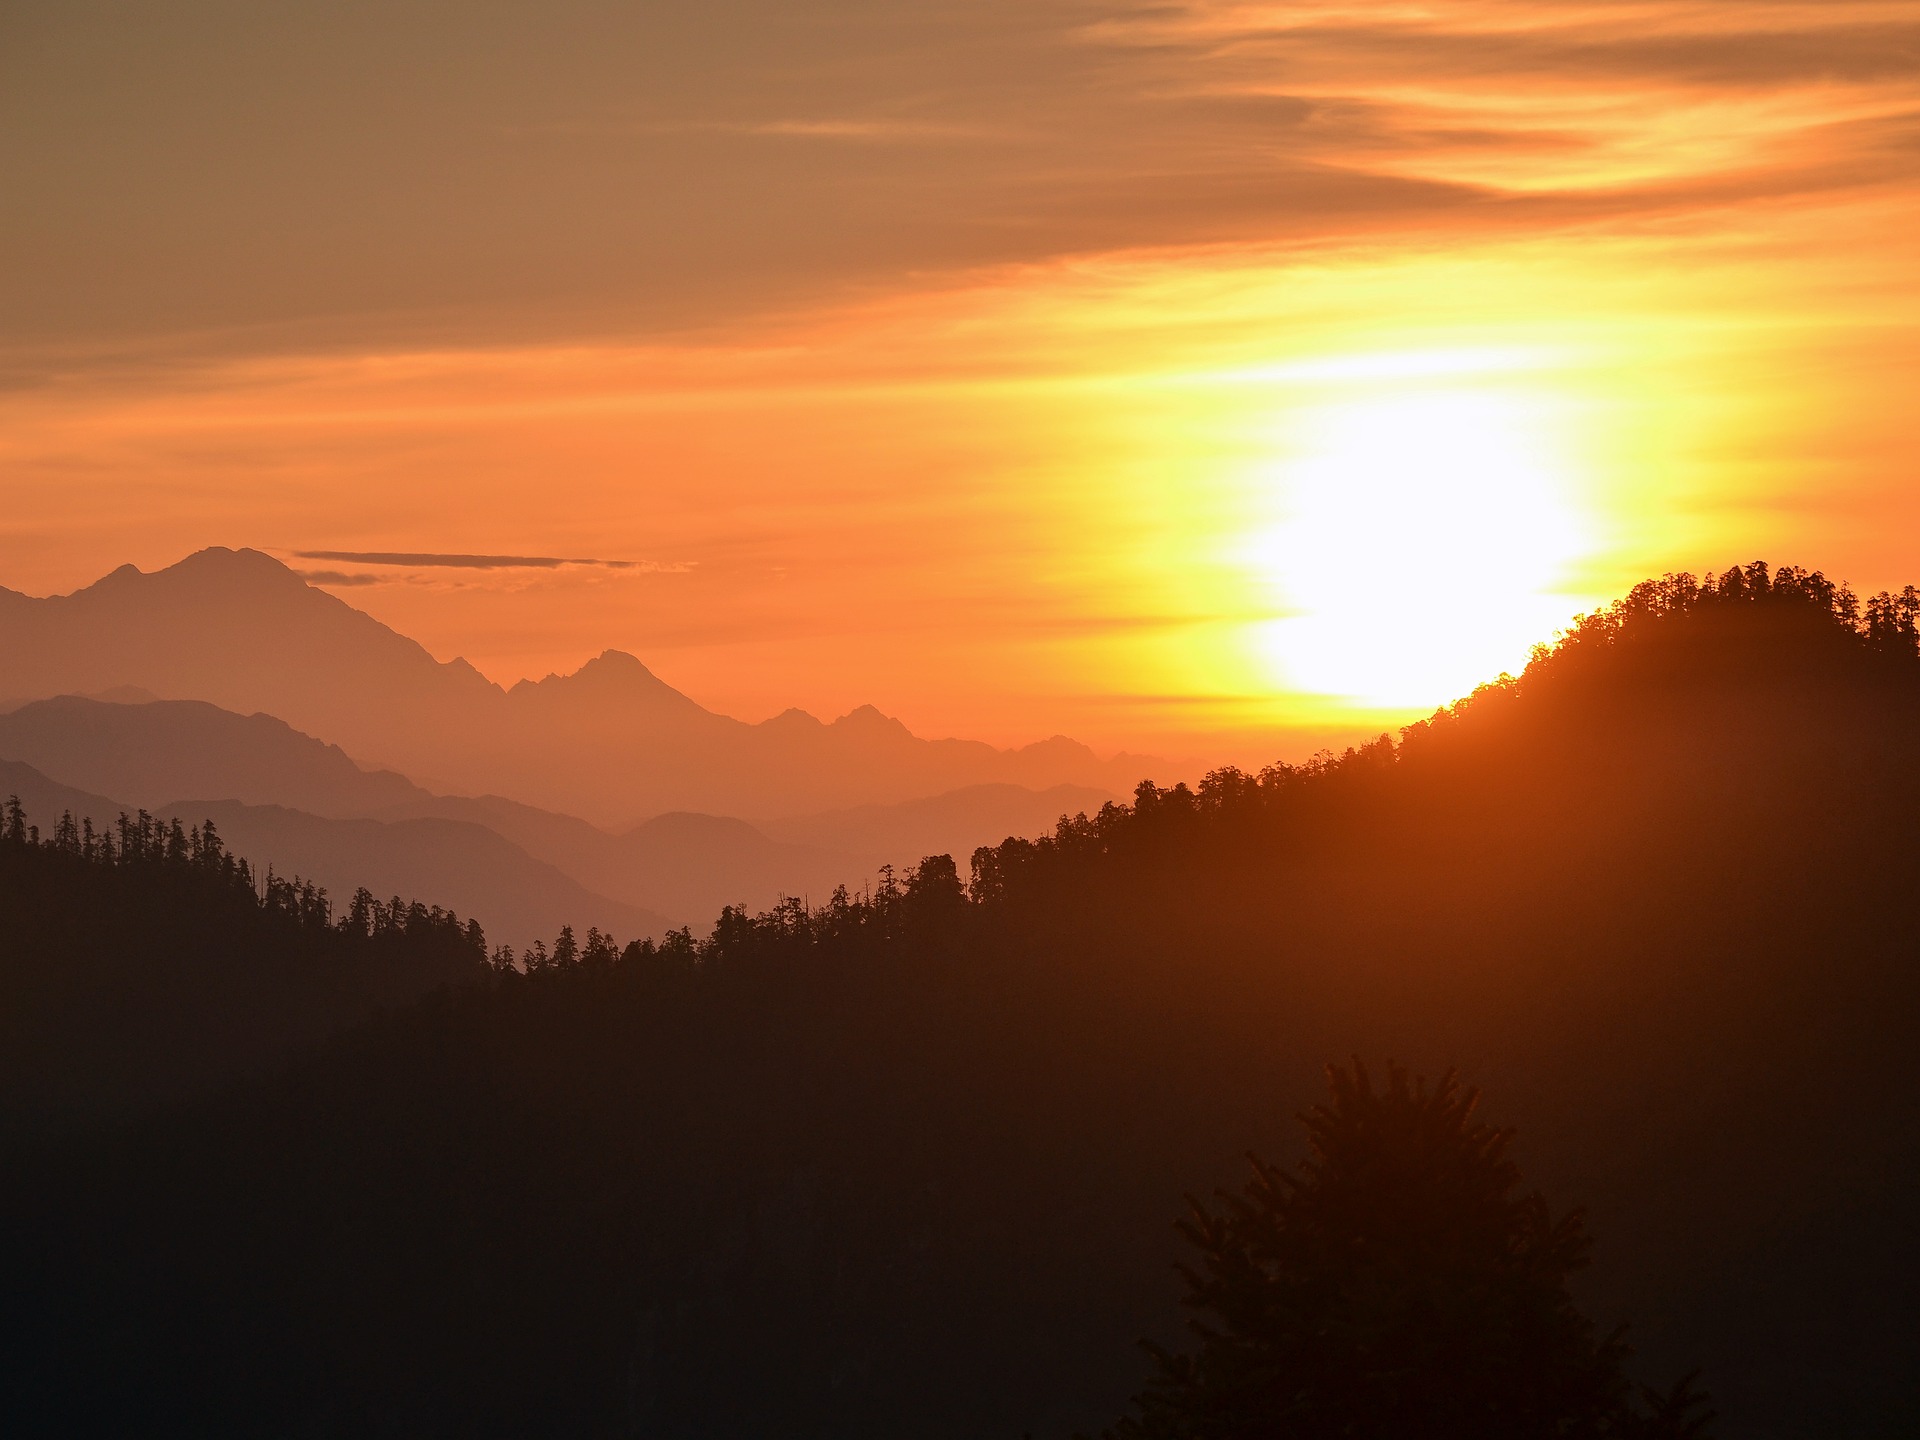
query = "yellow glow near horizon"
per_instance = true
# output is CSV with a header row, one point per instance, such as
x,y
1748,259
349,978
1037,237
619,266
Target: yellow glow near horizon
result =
x,y
1225,506
1218,381
1425,531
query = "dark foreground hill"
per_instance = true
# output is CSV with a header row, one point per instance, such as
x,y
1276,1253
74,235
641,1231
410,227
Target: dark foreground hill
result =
x,y
144,963
909,1166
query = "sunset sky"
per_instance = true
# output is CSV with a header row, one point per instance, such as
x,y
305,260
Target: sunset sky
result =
x,y
1210,379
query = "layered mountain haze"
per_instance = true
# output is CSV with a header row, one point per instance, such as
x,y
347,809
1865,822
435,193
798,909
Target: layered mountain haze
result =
x,y
635,747
285,799
684,864
45,799
467,867
610,742
158,751
236,628
955,823
906,1164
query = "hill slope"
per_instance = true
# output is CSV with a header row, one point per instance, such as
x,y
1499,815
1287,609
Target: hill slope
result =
x,y
45,799
956,822
465,866
157,751
908,1166
145,965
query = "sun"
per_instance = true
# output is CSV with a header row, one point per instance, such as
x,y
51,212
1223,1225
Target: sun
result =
x,y
1421,541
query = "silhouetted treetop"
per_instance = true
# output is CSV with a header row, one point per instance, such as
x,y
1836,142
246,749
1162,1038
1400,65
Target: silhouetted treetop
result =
x,y
146,959
1396,1285
901,1162
195,854
1789,634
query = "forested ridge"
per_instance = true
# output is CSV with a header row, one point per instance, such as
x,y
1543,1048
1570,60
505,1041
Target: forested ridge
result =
x,y
907,1162
144,962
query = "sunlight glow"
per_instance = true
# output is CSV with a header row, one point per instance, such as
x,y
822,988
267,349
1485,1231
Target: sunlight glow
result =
x,y
1233,506
1422,537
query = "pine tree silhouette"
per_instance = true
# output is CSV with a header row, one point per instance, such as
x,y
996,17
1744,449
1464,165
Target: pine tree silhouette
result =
x,y
1397,1286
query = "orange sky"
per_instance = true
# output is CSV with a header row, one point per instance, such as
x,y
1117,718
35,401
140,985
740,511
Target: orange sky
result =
x,y
1204,378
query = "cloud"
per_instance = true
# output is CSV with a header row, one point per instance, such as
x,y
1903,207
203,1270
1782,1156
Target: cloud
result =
x,y
878,128
616,176
433,560
336,578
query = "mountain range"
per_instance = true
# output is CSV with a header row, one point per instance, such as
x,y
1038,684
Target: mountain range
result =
x,y
285,799
610,742
910,1165
468,868
225,687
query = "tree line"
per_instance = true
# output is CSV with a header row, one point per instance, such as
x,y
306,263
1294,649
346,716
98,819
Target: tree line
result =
x,y
195,854
906,1160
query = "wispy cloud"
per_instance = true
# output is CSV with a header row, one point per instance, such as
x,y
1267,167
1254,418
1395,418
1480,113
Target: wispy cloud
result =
x,y
967,350
333,579
755,155
873,128
438,560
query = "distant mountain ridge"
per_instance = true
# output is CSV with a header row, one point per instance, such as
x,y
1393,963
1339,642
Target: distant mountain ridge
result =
x,y
158,751
955,822
219,623
301,804
467,867
907,1166
611,741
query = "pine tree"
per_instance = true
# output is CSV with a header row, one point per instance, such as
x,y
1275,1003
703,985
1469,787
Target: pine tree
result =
x,y
1397,1285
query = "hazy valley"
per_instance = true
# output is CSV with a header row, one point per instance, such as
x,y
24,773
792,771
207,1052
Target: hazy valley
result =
x,y
905,1160
213,633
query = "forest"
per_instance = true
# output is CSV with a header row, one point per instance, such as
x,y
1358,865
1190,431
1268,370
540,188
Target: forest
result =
x,y
145,962
910,1162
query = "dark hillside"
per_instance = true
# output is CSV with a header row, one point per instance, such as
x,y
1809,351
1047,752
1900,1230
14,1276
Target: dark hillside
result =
x,y
908,1165
466,866
145,964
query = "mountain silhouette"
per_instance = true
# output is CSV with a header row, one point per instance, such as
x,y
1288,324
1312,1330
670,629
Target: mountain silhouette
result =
x,y
468,868
233,627
158,751
45,799
906,1163
613,679
683,865
610,742
955,823
679,868
465,866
